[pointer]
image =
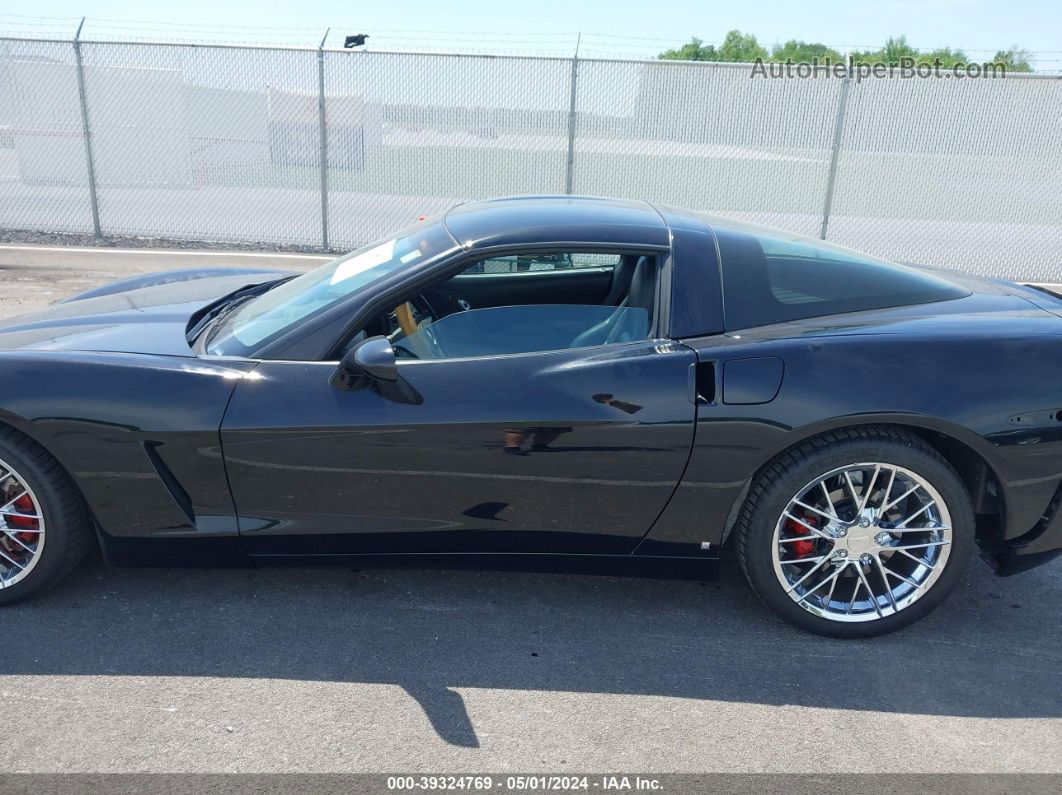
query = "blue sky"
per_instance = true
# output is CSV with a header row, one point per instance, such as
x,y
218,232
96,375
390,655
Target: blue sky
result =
x,y
549,25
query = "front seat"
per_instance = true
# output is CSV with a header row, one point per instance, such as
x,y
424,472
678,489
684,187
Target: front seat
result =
x,y
621,280
625,324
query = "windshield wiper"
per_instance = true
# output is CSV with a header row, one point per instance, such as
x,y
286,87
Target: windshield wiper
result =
x,y
217,315
215,311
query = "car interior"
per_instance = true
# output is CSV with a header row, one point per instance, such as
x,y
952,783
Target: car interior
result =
x,y
525,303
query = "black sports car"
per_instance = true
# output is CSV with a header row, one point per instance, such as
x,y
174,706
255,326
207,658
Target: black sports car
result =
x,y
552,383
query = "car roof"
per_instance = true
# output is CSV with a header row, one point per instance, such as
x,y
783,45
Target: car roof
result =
x,y
550,220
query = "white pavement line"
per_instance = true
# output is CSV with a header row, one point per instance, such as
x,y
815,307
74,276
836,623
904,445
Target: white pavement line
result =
x,y
167,251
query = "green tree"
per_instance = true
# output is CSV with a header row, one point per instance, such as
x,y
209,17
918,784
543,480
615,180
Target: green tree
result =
x,y
804,52
897,48
737,46
1015,59
741,48
693,50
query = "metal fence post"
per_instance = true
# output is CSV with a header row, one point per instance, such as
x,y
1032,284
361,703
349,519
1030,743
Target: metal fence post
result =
x,y
571,117
89,163
838,132
323,145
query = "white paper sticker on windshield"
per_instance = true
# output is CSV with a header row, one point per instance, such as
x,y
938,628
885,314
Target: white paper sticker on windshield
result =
x,y
408,257
361,263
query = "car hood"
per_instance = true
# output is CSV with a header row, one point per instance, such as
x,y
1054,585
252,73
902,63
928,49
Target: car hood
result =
x,y
151,319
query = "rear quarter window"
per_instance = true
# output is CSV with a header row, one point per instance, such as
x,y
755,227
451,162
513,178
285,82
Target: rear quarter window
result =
x,y
773,278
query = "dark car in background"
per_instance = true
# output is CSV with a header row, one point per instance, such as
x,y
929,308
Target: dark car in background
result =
x,y
549,383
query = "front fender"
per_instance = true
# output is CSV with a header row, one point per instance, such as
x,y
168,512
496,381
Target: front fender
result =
x,y
138,434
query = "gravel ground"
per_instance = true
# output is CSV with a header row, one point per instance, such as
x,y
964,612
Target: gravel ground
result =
x,y
340,671
34,276
35,238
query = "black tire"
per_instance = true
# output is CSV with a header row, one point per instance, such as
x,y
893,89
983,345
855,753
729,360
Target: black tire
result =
x,y
782,480
69,532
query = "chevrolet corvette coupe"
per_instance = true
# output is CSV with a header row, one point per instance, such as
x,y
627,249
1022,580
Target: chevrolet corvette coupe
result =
x,y
549,383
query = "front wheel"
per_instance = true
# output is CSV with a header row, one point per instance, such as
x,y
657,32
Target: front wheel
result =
x,y
45,527
856,533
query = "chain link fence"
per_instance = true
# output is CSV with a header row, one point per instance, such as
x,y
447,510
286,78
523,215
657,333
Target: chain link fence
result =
x,y
333,148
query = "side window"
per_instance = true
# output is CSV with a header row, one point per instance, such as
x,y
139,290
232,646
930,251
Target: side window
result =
x,y
516,263
770,278
529,302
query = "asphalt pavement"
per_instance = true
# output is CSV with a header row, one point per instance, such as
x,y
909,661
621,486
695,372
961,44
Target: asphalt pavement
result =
x,y
432,671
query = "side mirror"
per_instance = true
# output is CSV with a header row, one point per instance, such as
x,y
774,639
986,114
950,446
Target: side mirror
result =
x,y
371,360
374,357
372,364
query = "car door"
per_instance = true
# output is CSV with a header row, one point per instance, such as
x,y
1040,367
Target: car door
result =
x,y
570,450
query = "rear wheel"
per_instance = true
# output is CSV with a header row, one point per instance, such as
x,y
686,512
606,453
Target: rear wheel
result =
x,y
45,529
856,533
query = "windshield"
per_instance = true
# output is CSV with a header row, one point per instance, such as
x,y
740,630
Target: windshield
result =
x,y
271,314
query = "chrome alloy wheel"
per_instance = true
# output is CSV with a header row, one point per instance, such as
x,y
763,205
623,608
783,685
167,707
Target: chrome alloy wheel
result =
x,y
21,527
862,542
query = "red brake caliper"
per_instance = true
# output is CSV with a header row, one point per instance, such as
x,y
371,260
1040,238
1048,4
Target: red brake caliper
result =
x,y
25,505
801,549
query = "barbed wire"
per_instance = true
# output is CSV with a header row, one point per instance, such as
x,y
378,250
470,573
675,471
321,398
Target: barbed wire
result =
x,y
545,43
